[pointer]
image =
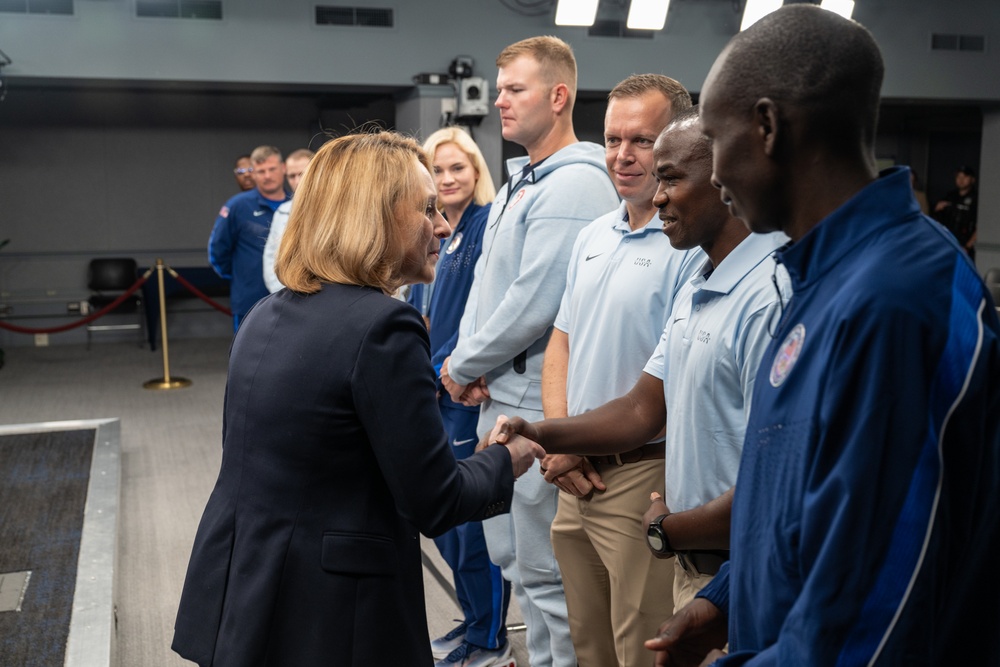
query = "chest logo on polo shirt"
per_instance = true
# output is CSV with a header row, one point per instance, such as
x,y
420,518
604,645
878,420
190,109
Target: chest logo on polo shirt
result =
x,y
455,242
787,355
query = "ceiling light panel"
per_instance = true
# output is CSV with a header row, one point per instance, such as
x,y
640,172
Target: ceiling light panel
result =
x,y
576,12
648,14
755,10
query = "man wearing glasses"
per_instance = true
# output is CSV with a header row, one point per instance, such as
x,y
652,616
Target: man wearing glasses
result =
x,y
243,171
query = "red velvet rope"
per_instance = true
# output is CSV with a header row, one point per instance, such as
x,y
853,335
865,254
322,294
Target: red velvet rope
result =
x,y
117,302
85,320
198,293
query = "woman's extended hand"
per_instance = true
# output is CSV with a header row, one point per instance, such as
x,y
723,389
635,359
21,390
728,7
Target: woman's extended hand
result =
x,y
523,453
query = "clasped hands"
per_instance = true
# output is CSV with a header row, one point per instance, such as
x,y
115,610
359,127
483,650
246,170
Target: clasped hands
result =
x,y
472,394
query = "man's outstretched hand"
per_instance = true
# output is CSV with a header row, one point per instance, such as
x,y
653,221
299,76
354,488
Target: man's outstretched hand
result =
x,y
507,427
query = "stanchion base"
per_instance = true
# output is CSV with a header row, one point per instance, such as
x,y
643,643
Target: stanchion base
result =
x,y
172,383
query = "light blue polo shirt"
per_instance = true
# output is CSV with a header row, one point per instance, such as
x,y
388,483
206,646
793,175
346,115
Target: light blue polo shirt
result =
x,y
620,287
707,358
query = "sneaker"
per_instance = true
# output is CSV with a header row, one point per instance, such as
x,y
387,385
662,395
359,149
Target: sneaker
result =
x,y
469,655
443,646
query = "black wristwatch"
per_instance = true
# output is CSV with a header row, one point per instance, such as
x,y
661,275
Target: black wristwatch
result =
x,y
656,537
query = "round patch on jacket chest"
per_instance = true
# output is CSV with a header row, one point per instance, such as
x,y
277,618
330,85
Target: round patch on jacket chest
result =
x,y
787,355
455,242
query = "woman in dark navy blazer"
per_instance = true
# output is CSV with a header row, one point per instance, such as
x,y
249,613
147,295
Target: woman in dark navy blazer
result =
x,y
334,456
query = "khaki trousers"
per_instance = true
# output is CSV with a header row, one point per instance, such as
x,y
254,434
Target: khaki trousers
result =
x,y
617,592
687,586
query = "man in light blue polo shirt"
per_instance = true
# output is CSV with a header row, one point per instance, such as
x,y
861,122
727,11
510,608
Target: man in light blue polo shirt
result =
x,y
710,348
700,379
621,281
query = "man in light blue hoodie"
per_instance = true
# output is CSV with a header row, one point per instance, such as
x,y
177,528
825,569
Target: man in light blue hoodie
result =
x,y
551,195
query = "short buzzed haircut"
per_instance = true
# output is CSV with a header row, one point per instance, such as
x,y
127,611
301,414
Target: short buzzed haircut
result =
x,y
638,85
701,149
555,57
261,153
814,60
301,153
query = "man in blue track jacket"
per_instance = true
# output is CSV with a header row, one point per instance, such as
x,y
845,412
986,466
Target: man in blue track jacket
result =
x,y
864,528
236,246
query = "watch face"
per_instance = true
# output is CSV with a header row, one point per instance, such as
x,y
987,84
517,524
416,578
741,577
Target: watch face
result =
x,y
655,541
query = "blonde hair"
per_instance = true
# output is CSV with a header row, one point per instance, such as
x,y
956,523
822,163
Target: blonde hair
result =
x,y
261,153
554,56
485,191
345,223
301,154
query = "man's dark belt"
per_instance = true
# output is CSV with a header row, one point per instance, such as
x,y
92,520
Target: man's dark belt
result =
x,y
653,450
702,562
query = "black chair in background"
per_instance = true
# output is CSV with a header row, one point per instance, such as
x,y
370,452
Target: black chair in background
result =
x,y
107,279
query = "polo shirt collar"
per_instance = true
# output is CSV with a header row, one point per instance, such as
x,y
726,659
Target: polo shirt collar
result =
x,y
753,250
621,223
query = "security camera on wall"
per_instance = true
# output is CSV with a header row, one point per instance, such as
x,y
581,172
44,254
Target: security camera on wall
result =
x,y
473,99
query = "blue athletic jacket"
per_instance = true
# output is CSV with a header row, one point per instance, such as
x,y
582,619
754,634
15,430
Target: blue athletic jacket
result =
x,y
452,282
865,525
236,247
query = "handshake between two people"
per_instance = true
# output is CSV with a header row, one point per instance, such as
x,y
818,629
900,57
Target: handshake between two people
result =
x,y
511,432
570,473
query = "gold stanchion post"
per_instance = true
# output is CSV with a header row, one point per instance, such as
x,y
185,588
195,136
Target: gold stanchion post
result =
x,y
165,382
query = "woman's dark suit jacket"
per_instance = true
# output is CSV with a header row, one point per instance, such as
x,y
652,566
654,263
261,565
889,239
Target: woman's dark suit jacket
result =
x,y
334,457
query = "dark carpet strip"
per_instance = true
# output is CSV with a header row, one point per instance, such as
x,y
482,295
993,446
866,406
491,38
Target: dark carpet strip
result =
x,y
43,489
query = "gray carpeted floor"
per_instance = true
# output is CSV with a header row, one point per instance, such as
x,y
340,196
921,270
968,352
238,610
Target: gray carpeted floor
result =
x,y
43,488
170,456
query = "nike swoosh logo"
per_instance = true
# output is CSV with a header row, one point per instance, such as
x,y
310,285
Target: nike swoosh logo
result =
x,y
590,257
256,213
459,443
